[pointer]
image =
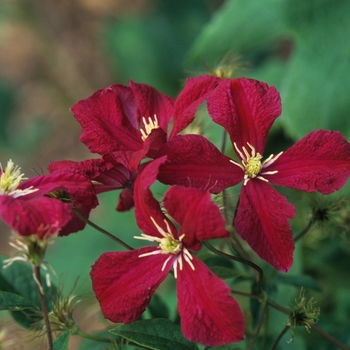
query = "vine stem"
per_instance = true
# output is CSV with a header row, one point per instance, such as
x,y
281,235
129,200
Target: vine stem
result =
x,y
320,331
100,229
37,278
286,311
284,331
241,260
304,231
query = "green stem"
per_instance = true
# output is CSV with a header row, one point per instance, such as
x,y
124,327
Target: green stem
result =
x,y
241,260
248,295
37,278
100,229
304,231
284,331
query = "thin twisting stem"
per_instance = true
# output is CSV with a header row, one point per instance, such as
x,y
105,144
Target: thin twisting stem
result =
x,y
284,331
37,277
304,231
320,331
100,229
241,260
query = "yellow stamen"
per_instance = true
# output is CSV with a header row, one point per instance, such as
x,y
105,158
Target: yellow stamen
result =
x,y
10,179
168,245
149,126
252,165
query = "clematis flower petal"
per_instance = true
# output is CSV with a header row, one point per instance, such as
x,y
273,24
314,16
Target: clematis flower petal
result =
x,y
152,103
262,221
125,201
79,188
318,162
40,216
194,161
198,216
146,206
246,108
124,282
209,315
189,99
109,120
106,176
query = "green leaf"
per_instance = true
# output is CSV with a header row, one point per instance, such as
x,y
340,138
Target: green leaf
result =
x,y
61,343
315,90
238,27
18,279
14,302
298,281
157,334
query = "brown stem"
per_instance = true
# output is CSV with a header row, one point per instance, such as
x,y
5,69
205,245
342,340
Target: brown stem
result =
x,y
100,229
37,277
241,260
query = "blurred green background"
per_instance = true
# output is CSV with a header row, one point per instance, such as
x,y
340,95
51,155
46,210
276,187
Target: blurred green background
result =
x,y
54,53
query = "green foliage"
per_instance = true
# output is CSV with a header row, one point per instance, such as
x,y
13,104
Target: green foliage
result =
x,y
304,281
299,46
18,279
61,343
157,334
14,302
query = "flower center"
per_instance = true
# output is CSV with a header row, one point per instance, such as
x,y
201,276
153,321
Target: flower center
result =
x,y
149,125
252,165
10,178
168,244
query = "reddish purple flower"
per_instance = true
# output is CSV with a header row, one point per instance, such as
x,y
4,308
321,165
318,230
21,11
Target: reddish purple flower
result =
x,y
43,205
135,120
105,176
247,109
124,282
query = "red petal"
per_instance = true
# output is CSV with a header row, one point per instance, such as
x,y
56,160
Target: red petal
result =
x,y
125,201
79,188
209,315
124,282
318,162
109,120
198,216
246,108
262,221
151,102
189,99
146,206
193,161
39,216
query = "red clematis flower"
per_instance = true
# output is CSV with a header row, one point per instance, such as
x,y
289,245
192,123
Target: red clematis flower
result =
x,y
105,176
247,109
125,281
135,120
43,205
